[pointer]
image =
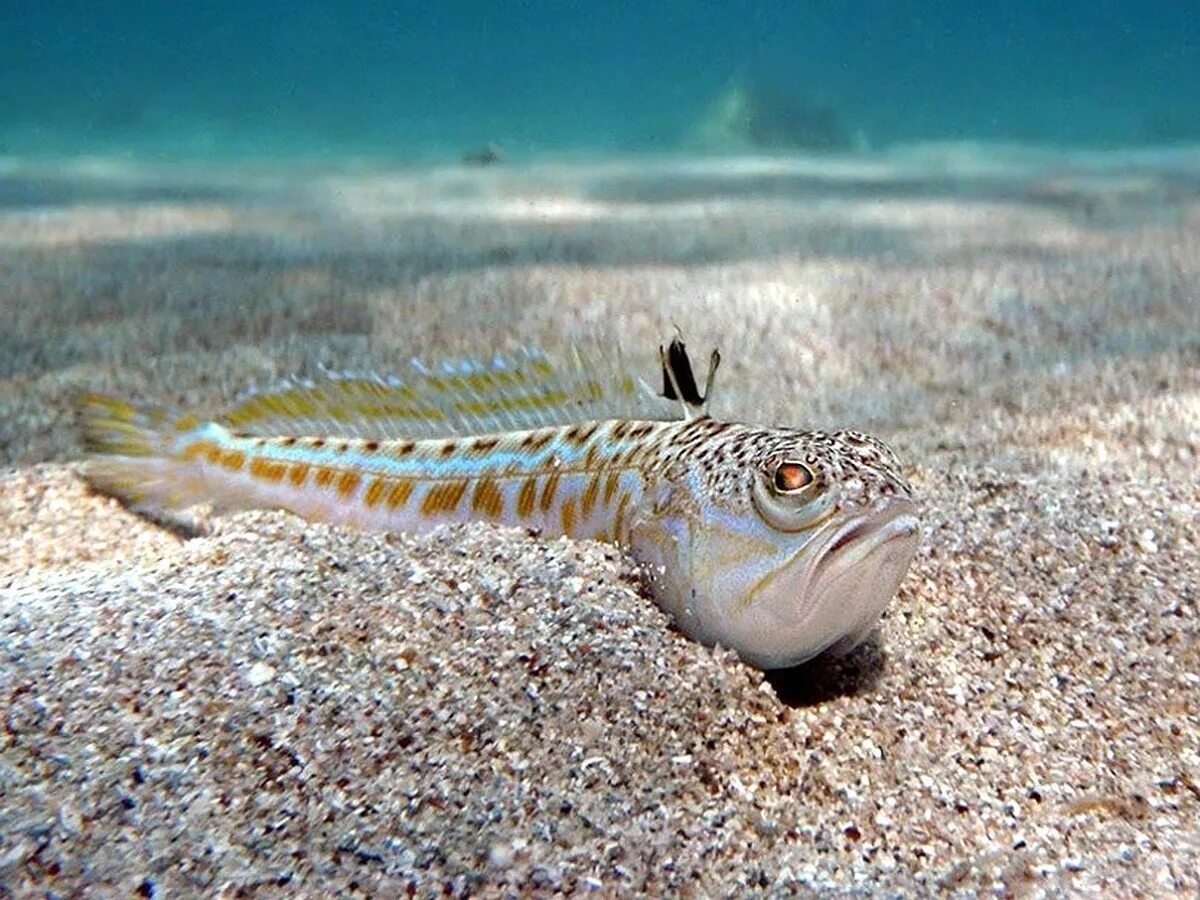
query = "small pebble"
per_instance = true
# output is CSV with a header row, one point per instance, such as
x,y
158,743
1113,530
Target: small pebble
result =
x,y
260,673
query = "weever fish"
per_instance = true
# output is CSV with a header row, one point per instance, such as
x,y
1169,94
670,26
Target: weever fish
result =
x,y
778,543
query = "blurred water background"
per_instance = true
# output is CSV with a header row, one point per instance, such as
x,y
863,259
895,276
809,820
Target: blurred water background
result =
x,y
400,81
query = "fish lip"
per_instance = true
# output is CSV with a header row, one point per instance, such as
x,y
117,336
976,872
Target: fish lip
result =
x,y
809,587
898,521
865,535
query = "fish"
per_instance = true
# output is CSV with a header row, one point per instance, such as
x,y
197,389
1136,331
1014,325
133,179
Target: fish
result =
x,y
778,543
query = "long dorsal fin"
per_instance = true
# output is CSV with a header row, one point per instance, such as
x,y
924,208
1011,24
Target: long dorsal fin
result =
x,y
521,391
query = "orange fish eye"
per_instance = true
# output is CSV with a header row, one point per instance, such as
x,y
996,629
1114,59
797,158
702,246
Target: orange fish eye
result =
x,y
792,476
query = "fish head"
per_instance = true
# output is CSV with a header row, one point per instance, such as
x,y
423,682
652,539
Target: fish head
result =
x,y
793,546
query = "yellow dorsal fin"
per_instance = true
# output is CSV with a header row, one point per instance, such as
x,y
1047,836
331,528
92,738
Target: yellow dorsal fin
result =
x,y
507,393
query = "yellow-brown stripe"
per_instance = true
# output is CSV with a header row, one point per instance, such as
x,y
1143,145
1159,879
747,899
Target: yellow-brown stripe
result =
x,y
399,494
375,492
619,518
549,489
610,487
527,497
233,460
487,498
443,497
348,483
588,502
267,470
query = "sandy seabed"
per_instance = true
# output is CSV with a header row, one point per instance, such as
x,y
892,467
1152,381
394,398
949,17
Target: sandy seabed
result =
x,y
280,708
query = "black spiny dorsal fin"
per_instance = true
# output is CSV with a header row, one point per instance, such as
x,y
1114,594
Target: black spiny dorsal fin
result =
x,y
679,380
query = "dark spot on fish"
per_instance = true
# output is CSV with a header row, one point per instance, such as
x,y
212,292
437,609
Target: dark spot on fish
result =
x,y
536,440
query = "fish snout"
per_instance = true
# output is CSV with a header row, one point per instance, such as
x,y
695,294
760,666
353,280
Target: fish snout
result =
x,y
856,572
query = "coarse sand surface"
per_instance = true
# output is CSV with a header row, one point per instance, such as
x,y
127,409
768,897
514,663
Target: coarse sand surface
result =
x,y
259,705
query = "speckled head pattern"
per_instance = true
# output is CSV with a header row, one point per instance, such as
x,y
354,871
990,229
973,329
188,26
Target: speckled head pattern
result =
x,y
780,543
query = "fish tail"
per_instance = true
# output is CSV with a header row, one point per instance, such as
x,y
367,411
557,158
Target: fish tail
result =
x,y
135,454
115,427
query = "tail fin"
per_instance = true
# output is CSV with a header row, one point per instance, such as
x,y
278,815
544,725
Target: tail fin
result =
x,y
132,454
113,427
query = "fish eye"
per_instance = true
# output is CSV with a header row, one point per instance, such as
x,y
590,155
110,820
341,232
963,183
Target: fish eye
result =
x,y
789,496
791,476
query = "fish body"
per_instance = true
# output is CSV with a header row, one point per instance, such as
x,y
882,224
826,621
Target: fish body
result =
x,y
777,568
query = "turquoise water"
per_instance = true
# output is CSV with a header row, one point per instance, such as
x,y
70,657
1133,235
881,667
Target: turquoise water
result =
x,y
439,80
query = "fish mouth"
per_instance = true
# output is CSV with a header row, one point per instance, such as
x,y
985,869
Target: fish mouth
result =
x,y
831,592
856,573
865,534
